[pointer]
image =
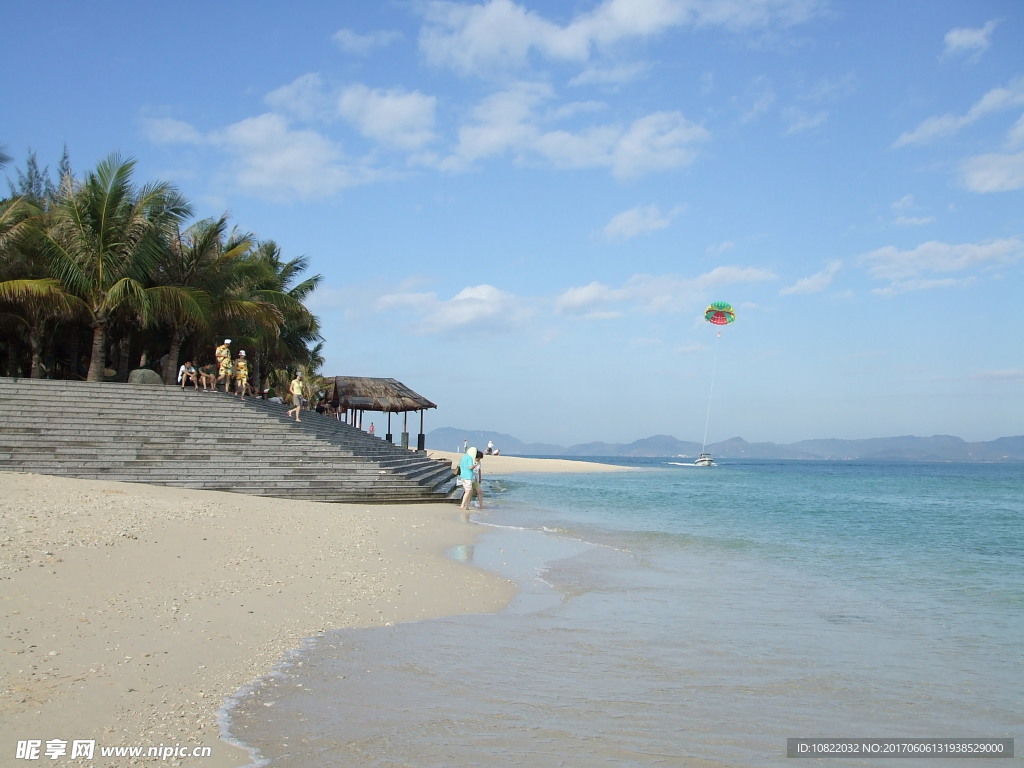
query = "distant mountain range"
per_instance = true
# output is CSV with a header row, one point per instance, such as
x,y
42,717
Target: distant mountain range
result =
x,y
935,448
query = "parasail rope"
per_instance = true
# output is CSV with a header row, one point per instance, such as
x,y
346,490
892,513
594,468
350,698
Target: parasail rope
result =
x,y
714,367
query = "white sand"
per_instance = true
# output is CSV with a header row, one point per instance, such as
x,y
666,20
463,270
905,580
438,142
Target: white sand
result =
x,y
131,612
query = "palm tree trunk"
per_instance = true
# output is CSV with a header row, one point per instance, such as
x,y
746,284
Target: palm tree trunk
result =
x,y
170,371
35,343
124,357
98,361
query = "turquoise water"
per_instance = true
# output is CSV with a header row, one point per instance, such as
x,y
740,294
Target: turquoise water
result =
x,y
683,616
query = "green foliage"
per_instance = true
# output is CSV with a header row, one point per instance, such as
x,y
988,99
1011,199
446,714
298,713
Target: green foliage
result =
x,y
115,260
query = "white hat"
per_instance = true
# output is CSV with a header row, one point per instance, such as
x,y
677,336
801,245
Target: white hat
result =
x,y
227,341
241,353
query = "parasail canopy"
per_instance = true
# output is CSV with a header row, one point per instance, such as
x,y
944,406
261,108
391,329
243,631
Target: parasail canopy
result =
x,y
720,313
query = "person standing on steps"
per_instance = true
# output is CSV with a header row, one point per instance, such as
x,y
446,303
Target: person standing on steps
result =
x,y
241,374
223,355
296,389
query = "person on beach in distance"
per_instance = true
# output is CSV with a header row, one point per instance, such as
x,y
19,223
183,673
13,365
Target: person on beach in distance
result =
x,y
241,374
223,355
296,389
478,477
467,467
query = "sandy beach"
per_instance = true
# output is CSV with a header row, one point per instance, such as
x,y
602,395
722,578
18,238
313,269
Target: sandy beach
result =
x,y
131,612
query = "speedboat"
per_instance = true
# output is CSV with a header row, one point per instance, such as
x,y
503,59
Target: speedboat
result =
x,y
705,460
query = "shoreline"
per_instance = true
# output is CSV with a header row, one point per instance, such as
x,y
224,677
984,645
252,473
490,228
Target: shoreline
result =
x,y
132,613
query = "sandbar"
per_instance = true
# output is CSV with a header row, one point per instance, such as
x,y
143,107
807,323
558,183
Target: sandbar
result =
x,y
131,612
511,465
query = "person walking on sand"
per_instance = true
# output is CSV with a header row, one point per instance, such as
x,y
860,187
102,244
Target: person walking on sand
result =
x,y
223,355
241,374
296,389
467,466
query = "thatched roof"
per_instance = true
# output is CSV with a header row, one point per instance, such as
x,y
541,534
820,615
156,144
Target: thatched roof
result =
x,y
367,394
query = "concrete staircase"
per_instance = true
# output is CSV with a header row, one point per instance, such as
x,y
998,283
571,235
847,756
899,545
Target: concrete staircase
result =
x,y
162,435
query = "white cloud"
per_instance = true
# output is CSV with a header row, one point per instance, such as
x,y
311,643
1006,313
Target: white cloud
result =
x,y
905,203
815,283
586,298
759,97
616,75
501,34
904,207
399,118
475,38
304,98
657,142
512,121
912,270
655,294
913,221
1015,137
475,308
362,45
994,172
995,100
166,130
1009,374
638,221
719,248
798,121
971,41
277,161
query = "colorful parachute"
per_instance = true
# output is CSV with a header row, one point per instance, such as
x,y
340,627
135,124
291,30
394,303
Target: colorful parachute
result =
x,y
720,313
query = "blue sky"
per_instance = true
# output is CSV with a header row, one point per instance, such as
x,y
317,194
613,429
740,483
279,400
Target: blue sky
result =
x,y
522,208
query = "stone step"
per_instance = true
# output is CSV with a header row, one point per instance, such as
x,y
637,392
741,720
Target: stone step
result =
x,y
162,435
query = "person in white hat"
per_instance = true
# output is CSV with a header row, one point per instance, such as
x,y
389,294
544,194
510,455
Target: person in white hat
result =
x,y
223,355
241,374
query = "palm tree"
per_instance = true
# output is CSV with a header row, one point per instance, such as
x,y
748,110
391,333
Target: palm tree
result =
x,y
289,347
104,243
32,299
204,259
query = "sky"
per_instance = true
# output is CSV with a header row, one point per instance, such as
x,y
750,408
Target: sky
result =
x,y
521,209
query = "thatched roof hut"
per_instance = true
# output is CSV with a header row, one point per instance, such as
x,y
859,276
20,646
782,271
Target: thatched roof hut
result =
x,y
363,393
356,394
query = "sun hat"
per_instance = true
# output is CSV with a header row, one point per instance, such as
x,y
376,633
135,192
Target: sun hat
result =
x,y
241,353
227,341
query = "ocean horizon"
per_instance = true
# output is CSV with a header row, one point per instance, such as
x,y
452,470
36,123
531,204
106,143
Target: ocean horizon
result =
x,y
685,616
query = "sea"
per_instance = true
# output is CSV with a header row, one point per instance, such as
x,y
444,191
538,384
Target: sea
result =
x,y
689,616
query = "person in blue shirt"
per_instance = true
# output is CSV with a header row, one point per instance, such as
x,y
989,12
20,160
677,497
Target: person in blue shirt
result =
x,y
467,466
